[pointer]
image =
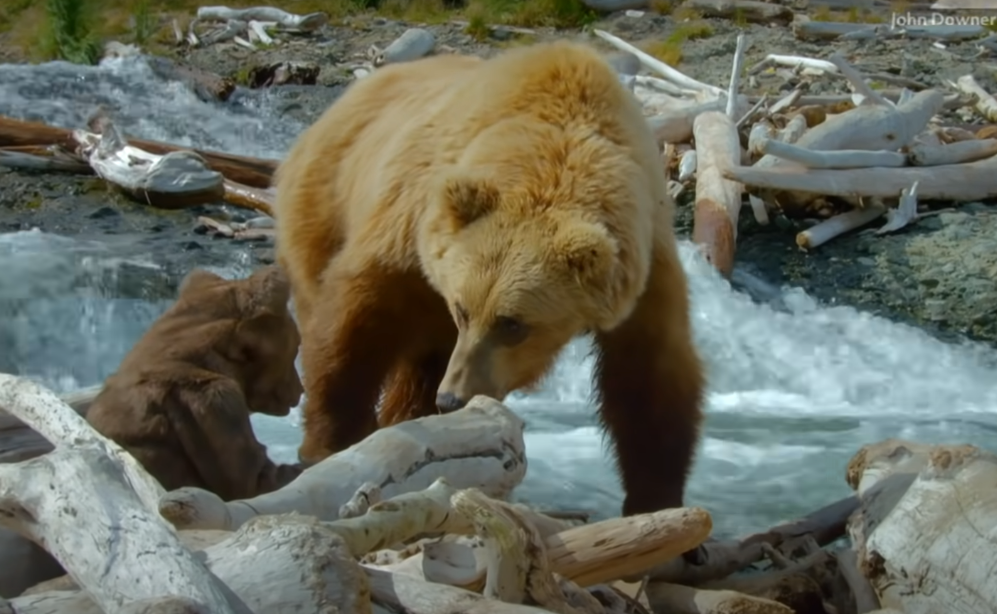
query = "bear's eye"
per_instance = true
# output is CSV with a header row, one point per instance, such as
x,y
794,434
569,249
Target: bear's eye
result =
x,y
511,331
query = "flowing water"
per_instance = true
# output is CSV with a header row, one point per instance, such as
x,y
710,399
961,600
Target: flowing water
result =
x,y
795,387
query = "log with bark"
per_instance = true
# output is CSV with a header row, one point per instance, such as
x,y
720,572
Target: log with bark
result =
x,y
254,172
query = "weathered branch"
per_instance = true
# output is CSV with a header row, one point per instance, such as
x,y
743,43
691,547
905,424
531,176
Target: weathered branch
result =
x,y
402,458
718,200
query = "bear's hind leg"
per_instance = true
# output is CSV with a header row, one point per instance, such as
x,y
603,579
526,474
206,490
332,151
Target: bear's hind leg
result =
x,y
650,381
348,344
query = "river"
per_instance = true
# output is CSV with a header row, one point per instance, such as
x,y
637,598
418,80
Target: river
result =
x,y
795,387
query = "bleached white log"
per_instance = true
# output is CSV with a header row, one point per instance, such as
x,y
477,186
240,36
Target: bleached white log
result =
x,y
718,200
77,502
177,178
937,532
904,213
752,11
737,65
57,421
413,44
857,80
983,101
674,125
478,446
954,153
282,563
948,33
611,6
793,61
687,165
966,182
288,22
843,158
259,29
824,231
658,66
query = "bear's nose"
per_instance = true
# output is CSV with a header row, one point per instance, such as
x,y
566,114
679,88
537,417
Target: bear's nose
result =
x,y
448,402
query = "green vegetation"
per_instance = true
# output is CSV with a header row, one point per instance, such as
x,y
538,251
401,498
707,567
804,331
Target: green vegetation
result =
x,y
669,50
74,30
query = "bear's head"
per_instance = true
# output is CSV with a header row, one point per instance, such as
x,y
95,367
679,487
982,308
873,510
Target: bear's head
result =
x,y
242,328
523,271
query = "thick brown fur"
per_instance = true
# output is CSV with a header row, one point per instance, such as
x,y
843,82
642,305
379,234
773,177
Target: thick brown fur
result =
x,y
181,399
449,224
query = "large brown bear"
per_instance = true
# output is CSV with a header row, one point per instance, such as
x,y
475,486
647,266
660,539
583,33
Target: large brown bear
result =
x,y
449,224
181,399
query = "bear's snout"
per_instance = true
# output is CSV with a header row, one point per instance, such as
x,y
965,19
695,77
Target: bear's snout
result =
x,y
448,402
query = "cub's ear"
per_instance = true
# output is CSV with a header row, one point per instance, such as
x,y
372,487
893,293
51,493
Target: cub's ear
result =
x,y
198,279
469,198
269,290
587,251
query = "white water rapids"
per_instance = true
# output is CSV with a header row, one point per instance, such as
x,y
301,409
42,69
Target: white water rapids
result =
x,y
794,391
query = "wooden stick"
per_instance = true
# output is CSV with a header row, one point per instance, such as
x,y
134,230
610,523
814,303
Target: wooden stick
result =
x,y
904,213
751,11
675,124
844,158
793,61
735,74
288,22
821,233
857,80
718,200
413,44
249,197
658,66
953,153
983,102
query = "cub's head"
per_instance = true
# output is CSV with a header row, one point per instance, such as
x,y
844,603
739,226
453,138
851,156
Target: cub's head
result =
x,y
522,273
246,332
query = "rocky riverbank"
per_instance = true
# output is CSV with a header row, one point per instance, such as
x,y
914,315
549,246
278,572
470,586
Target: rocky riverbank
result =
x,y
938,273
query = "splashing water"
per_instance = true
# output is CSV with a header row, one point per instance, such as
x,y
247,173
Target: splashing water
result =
x,y
793,392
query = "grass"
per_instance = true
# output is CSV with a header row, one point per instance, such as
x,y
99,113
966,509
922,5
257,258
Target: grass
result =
x,y
852,15
74,30
669,50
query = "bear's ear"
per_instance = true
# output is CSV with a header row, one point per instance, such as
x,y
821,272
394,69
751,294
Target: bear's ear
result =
x,y
469,198
587,250
269,290
198,279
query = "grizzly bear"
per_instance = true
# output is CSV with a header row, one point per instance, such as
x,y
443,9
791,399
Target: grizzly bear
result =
x,y
450,223
180,400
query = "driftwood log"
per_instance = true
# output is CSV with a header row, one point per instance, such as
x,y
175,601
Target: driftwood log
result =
x,y
924,541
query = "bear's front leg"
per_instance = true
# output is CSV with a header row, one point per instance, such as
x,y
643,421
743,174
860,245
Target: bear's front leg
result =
x,y
650,383
348,344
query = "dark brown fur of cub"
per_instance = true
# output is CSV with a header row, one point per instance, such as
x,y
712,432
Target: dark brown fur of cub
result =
x,y
181,399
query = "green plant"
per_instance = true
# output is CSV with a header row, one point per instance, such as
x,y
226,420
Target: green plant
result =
x,y
69,33
145,22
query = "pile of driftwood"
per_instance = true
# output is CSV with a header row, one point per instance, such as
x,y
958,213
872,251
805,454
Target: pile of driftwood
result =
x,y
849,158
416,519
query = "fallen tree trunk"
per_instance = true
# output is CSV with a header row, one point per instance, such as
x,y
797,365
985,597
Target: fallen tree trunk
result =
x,y
718,199
288,22
174,180
255,172
953,182
678,599
402,458
930,526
